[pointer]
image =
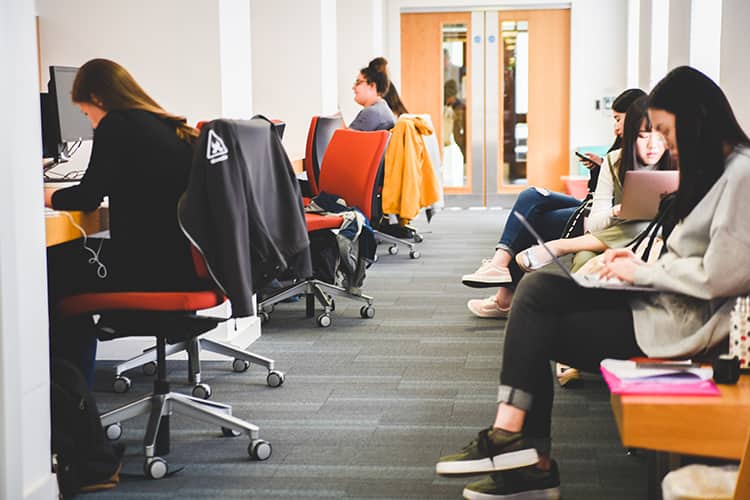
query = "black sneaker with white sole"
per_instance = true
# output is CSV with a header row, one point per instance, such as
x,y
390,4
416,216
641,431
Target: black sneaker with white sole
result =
x,y
492,450
527,483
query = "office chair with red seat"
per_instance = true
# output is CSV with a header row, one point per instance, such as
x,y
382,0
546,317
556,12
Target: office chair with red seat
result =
x,y
242,359
349,170
319,136
170,317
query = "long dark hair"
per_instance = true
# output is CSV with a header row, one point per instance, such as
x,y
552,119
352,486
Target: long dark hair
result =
x,y
704,124
621,104
394,101
636,118
377,73
111,87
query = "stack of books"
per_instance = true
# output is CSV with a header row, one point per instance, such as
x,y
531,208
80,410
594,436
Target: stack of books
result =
x,y
666,378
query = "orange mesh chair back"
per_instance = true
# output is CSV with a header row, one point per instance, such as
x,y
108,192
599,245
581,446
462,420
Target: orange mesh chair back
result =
x,y
319,136
351,164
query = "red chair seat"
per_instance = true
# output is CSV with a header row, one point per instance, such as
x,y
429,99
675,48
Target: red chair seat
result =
x,y
84,303
317,222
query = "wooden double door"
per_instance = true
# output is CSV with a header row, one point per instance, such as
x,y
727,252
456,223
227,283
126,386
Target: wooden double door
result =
x,y
497,86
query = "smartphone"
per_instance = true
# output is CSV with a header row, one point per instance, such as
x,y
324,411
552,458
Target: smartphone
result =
x,y
586,158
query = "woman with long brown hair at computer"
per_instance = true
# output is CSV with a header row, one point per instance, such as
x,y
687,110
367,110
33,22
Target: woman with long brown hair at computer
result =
x,y
140,160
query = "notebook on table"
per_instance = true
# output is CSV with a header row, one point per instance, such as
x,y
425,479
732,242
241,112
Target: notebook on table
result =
x,y
583,280
643,190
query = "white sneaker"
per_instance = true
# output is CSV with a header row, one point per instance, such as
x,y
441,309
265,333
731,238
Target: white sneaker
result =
x,y
487,275
487,308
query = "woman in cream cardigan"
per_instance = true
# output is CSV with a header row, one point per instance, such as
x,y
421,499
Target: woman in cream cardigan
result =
x,y
706,265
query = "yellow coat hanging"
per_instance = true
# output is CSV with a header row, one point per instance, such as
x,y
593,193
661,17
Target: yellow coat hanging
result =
x,y
409,183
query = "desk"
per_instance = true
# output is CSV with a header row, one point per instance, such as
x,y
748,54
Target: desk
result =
x,y
705,426
59,229
684,425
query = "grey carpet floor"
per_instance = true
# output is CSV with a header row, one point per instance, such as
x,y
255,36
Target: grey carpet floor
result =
x,y
369,405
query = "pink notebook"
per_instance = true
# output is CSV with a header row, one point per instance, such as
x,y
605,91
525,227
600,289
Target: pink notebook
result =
x,y
661,386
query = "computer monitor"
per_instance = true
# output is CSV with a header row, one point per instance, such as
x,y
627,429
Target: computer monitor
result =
x,y
62,122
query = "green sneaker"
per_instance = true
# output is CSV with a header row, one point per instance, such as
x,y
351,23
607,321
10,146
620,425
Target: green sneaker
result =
x,y
491,451
528,483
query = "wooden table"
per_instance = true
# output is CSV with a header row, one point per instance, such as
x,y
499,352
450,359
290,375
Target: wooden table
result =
x,y
688,425
684,425
60,229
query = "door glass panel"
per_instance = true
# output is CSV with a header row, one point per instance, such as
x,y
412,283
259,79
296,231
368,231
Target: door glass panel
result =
x,y
455,85
515,74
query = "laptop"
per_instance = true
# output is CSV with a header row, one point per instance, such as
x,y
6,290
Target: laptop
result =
x,y
643,190
583,280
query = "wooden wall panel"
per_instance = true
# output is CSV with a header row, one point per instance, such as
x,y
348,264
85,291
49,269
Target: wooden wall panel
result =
x,y
422,70
549,96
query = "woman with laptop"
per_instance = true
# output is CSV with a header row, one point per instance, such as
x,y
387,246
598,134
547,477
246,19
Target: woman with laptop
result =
x,y
642,149
548,212
706,265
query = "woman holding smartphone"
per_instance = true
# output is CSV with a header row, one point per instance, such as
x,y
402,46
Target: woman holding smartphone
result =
x,y
548,212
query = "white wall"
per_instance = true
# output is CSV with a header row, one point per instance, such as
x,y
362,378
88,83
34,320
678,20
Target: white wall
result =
x,y
735,47
705,37
24,378
177,63
360,32
235,57
598,68
679,33
289,48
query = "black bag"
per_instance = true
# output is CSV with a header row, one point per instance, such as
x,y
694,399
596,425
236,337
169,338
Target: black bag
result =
x,y
85,459
574,225
663,224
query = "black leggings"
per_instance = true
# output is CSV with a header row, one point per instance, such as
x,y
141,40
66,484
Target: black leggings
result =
x,y
553,319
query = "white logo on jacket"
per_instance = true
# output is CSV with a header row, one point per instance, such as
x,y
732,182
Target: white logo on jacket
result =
x,y
216,150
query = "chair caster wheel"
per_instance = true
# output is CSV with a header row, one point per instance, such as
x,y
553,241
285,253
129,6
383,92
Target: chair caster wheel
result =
x,y
414,254
393,249
121,384
275,378
149,369
323,320
367,312
259,450
113,431
240,365
155,468
229,433
418,238
202,391
264,317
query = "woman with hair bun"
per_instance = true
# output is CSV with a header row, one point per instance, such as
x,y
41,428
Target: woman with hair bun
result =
x,y
371,85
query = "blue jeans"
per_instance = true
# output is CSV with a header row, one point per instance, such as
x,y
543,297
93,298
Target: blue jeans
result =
x,y
547,213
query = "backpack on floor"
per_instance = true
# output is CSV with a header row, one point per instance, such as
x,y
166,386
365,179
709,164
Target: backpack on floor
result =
x,y
83,458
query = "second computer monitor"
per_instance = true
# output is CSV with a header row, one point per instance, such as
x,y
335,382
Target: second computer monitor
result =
x,y
74,126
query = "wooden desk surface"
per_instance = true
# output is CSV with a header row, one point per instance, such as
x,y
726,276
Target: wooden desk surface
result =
x,y
705,426
60,229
